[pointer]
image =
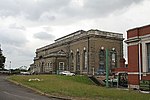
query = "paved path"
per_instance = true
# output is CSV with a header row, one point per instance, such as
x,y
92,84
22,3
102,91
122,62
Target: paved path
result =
x,y
10,91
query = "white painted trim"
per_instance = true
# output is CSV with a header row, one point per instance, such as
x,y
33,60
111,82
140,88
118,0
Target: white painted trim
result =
x,y
140,60
144,56
132,38
145,36
133,43
131,86
136,73
133,73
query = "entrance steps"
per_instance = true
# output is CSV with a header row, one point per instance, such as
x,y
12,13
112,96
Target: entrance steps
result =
x,y
99,80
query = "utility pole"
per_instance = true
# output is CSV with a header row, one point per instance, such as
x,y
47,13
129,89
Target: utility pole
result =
x,y
10,66
107,69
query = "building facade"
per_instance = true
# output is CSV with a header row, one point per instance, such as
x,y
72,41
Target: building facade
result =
x,y
82,52
138,40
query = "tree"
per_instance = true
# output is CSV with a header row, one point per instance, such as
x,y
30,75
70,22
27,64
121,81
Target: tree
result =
x,y
2,60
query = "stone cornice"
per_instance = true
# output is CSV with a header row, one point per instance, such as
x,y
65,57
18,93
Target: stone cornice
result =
x,y
130,40
79,35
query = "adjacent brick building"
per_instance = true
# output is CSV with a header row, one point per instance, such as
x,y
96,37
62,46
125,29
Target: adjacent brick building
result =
x,y
138,40
82,52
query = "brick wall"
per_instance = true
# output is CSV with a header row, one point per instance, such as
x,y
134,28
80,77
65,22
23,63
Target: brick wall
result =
x,y
133,79
132,33
133,58
135,36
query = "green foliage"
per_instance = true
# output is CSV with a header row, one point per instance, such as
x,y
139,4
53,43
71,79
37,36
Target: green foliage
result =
x,y
145,85
78,87
15,71
2,60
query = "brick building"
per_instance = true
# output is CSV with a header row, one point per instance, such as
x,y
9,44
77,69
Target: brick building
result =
x,y
82,52
138,40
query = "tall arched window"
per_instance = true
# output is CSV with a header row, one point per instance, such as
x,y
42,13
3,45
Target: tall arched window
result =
x,y
78,61
48,65
71,61
61,66
101,69
39,64
51,66
113,58
85,60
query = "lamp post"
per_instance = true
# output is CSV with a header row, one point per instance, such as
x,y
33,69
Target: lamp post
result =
x,y
107,69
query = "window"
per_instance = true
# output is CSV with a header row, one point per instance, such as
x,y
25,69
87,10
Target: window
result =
x,y
51,66
61,66
71,61
113,59
148,56
85,60
43,70
78,61
101,69
39,64
47,67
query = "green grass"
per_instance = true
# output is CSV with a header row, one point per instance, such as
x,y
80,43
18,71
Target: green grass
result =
x,y
77,87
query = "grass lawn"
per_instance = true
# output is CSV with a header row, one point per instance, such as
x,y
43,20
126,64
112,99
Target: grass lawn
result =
x,y
77,87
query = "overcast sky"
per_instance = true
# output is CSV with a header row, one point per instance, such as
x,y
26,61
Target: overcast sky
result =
x,y
26,25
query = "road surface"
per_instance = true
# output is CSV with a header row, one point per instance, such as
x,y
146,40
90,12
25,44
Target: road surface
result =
x,y
10,91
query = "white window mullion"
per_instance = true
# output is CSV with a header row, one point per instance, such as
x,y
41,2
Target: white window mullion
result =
x,y
144,56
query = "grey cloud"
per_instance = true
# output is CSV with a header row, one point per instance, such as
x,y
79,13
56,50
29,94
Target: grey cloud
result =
x,y
46,17
99,8
16,26
90,9
47,28
56,12
17,55
12,37
19,51
30,8
44,36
